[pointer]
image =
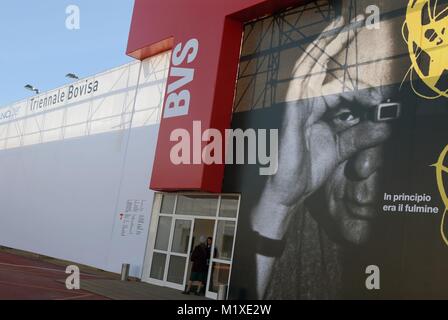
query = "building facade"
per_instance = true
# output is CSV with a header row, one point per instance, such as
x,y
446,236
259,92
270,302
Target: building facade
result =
x,y
334,187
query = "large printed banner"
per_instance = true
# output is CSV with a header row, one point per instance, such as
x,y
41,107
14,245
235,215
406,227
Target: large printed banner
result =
x,y
357,209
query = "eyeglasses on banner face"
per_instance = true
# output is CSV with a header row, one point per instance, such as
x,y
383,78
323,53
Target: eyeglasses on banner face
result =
x,y
383,112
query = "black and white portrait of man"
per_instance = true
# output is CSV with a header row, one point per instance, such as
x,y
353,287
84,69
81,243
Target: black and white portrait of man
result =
x,y
331,83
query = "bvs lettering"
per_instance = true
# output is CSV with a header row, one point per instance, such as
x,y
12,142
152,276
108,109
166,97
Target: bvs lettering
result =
x,y
178,96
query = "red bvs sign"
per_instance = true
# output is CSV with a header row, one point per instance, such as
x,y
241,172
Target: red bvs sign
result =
x,y
205,36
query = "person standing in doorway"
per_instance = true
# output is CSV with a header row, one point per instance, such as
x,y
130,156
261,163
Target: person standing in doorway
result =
x,y
199,269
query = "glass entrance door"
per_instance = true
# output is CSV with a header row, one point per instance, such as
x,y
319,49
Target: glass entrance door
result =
x,y
179,220
171,252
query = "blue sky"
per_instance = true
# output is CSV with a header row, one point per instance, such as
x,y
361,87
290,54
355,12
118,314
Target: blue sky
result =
x,y
37,48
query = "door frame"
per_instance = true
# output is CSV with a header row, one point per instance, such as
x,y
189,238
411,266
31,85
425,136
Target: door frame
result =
x,y
152,234
170,253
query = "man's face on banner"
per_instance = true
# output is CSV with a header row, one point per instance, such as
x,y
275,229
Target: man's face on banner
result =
x,y
331,149
352,190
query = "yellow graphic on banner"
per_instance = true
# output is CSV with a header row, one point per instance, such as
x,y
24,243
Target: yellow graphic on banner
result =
x,y
441,169
426,33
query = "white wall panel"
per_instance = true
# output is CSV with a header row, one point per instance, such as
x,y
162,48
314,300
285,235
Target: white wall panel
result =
x,y
70,170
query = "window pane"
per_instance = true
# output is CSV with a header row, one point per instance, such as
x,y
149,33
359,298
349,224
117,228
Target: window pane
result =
x,y
158,266
163,233
176,270
197,205
229,206
168,201
220,276
224,240
181,238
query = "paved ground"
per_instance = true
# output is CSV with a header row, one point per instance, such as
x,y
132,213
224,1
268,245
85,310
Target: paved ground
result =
x,y
27,277
118,290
